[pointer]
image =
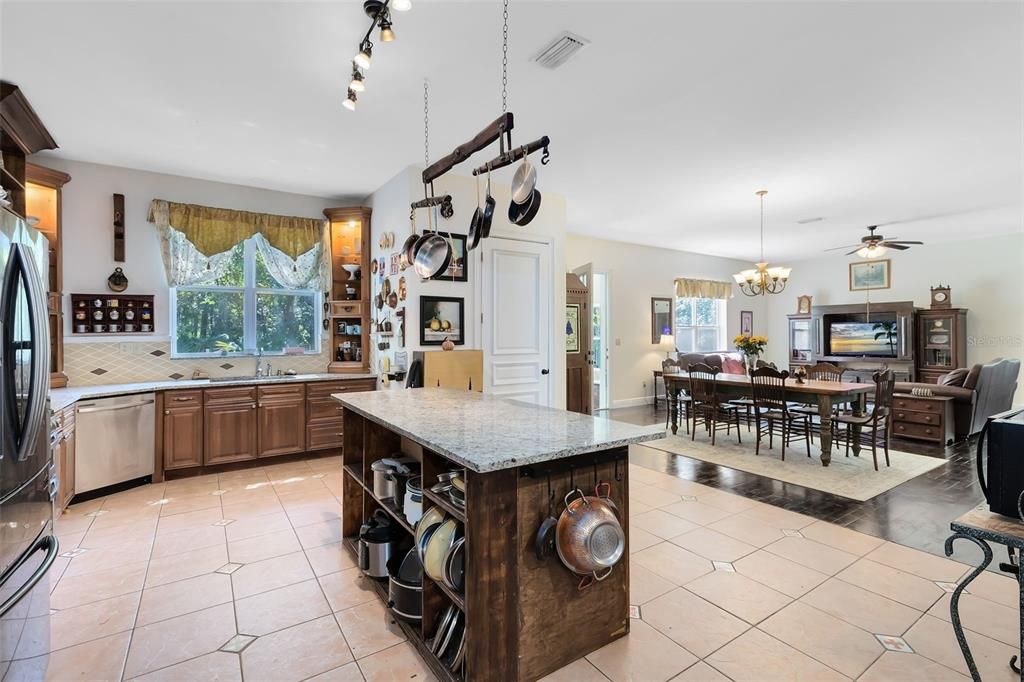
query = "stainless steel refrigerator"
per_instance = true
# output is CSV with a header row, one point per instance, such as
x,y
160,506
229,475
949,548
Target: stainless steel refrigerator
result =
x,y
27,482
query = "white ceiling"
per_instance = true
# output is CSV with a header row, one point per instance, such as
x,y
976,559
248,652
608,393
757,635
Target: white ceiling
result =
x,y
662,128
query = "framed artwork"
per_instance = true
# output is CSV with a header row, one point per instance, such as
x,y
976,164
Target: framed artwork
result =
x,y
803,305
442,317
572,327
870,274
661,318
458,269
747,322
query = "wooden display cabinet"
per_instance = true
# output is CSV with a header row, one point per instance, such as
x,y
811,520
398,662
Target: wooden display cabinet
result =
x,y
801,350
941,342
349,305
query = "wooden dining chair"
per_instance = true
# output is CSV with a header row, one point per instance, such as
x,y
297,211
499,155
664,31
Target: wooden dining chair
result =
x,y
772,413
683,400
822,371
706,405
876,425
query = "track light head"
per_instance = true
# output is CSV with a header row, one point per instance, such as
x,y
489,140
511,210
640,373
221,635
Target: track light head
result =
x,y
401,5
350,103
357,83
387,34
362,59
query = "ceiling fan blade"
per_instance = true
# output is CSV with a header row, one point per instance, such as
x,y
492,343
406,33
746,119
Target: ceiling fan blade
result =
x,y
853,252
840,248
900,241
898,247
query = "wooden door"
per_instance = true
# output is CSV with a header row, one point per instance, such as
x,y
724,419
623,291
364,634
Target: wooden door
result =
x,y
282,426
578,361
518,315
229,432
183,437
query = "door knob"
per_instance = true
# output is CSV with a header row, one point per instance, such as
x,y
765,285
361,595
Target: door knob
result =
x,y
544,371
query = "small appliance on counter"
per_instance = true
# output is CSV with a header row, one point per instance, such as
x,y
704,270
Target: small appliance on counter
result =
x,y
378,542
1003,459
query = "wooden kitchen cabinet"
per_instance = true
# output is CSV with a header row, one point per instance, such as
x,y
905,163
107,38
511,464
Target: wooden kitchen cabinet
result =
x,y
229,432
281,419
64,458
182,436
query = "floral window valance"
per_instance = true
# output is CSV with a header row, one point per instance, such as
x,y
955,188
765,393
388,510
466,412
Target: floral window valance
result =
x,y
703,288
196,243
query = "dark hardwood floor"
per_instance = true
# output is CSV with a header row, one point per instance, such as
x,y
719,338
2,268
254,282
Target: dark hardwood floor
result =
x,y
915,513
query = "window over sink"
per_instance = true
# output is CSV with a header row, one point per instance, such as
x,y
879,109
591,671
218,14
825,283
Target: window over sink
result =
x,y
700,324
243,309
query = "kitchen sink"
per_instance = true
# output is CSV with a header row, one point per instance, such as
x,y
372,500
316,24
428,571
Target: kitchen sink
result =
x,y
276,377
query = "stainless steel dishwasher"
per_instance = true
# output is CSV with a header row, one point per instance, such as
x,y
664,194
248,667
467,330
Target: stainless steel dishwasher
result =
x,y
114,441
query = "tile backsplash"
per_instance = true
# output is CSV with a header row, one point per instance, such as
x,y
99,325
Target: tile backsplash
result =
x,y
92,364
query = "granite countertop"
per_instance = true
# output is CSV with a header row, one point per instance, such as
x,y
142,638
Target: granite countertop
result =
x,y
486,433
62,397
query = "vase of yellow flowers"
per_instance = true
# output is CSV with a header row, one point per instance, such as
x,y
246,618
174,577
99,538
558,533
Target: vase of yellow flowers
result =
x,y
751,347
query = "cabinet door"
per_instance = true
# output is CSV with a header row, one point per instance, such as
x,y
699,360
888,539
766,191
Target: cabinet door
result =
x,y
67,486
282,426
183,437
229,433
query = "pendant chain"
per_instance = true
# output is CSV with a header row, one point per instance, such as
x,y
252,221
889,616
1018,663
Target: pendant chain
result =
x,y
504,62
426,123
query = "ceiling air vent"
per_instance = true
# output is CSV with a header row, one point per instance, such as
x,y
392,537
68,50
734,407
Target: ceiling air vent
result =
x,y
559,50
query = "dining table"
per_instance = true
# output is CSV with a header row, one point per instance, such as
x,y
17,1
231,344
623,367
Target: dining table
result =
x,y
824,394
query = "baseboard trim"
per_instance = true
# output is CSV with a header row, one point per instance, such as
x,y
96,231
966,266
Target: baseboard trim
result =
x,y
633,402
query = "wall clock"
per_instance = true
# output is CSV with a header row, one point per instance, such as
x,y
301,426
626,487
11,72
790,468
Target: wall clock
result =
x,y
940,297
803,305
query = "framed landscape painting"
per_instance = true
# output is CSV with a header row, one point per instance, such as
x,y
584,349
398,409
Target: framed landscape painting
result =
x,y
872,274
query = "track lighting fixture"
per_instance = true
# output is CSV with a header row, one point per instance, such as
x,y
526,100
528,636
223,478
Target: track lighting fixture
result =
x,y
350,103
387,35
357,80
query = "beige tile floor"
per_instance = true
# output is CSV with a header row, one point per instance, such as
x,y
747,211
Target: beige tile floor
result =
x,y
241,575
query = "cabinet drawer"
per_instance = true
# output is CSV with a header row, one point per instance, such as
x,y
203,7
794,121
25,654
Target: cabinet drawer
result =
x,y
319,409
325,388
346,308
278,391
324,435
227,395
922,431
910,416
182,398
917,404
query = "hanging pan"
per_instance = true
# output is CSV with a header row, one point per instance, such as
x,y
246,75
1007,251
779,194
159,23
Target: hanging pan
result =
x,y
433,255
524,181
408,254
523,214
474,224
488,214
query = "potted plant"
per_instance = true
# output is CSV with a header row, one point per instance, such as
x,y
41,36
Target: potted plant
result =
x,y
751,347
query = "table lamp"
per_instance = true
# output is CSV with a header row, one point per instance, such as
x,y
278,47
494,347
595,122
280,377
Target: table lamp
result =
x,y
668,344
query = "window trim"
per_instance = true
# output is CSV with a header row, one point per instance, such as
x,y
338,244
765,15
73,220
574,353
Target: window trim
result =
x,y
721,327
249,292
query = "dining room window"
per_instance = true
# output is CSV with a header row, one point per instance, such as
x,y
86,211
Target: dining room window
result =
x,y
244,309
699,324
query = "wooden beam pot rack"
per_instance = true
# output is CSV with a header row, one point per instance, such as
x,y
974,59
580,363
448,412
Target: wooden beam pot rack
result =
x,y
500,126
513,155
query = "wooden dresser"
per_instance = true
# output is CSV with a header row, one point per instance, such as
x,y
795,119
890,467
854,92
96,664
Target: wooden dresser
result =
x,y
927,418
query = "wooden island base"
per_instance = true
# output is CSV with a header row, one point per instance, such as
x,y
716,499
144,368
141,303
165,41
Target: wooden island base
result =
x,y
524,618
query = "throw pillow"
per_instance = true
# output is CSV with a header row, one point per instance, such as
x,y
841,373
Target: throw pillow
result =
x,y
731,365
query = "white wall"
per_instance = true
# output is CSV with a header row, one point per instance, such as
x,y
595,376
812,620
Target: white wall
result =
x,y
984,273
88,233
391,214
635,274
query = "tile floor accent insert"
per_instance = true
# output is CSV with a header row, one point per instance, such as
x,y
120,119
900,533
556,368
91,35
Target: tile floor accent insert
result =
x,y
719,590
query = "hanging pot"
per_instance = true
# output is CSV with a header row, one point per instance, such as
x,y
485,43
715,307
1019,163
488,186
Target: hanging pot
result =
x,y
523,214
433,255
408,252
473,238
117,281
524,181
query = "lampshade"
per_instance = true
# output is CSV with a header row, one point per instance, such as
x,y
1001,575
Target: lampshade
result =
x,y
362,59
667,340
871,251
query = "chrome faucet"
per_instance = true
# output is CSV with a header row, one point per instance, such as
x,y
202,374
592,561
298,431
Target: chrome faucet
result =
x,y
259,362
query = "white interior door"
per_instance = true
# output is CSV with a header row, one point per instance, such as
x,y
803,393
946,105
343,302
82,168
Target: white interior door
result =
x,y
517,319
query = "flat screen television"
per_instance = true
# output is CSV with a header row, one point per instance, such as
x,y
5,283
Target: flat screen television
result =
x,y
878,338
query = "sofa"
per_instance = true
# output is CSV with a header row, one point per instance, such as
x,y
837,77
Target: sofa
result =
x,y
727,361
977,393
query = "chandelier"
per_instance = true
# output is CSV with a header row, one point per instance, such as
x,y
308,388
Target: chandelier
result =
x,y
762,279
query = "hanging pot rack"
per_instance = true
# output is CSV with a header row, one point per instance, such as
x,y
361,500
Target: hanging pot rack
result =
x,y
510,157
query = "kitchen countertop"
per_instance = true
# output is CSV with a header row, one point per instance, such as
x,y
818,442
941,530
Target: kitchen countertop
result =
x,y
485,433
62,397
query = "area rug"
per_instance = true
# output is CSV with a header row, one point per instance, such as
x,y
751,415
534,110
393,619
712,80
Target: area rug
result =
x,y
851,477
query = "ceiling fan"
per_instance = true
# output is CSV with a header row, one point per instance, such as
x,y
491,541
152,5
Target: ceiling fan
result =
x,y
874,245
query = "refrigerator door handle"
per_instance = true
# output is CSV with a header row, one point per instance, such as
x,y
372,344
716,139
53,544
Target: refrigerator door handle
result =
x,y
50,544
39,382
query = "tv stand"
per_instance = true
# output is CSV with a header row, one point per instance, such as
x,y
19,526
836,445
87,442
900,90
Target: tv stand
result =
x,y
860,368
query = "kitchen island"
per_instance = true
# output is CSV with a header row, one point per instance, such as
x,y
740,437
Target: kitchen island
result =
x,y
524,617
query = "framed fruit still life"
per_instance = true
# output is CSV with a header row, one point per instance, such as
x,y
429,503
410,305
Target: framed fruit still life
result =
x,y
442,317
